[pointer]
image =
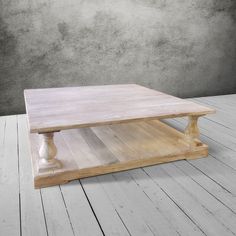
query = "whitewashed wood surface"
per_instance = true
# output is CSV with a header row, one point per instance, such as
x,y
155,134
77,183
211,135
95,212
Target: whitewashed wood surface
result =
x,y
67,108
194,197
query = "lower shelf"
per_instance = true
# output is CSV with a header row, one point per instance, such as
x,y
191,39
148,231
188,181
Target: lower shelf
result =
x,y
93,151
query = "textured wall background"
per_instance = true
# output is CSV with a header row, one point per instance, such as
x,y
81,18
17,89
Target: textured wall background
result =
x,y
183,47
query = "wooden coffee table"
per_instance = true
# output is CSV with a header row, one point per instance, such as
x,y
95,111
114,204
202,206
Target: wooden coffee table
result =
x,y
79,132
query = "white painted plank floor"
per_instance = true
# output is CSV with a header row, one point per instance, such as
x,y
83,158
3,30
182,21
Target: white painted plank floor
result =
x,y
196,197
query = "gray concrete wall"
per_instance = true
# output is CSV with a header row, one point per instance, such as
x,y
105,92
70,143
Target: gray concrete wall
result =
x,y
183,47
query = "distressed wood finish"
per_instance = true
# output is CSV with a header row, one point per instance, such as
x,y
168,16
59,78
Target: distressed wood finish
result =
x,y
86,151
47,153
57,109
192,131
192,197
9,187
99,150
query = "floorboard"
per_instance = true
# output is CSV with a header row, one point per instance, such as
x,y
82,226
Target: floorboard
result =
x,y
171,211
105,211
186,198
10,222
79,211
194,208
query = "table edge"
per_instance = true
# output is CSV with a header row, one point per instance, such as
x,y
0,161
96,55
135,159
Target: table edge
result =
x,y
111,122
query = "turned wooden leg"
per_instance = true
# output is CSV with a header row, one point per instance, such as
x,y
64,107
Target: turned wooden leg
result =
x,y
192,132
47,153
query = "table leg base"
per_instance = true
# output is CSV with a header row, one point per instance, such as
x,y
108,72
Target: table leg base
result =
x,y
47,165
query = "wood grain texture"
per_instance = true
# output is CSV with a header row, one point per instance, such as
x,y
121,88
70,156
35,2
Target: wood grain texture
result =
x,y
140,215
130,146
67,108
176,217
188,202
47,152
106,212
9,182
104,205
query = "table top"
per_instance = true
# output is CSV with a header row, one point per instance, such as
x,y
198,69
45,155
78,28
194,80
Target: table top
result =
x,y
57,109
